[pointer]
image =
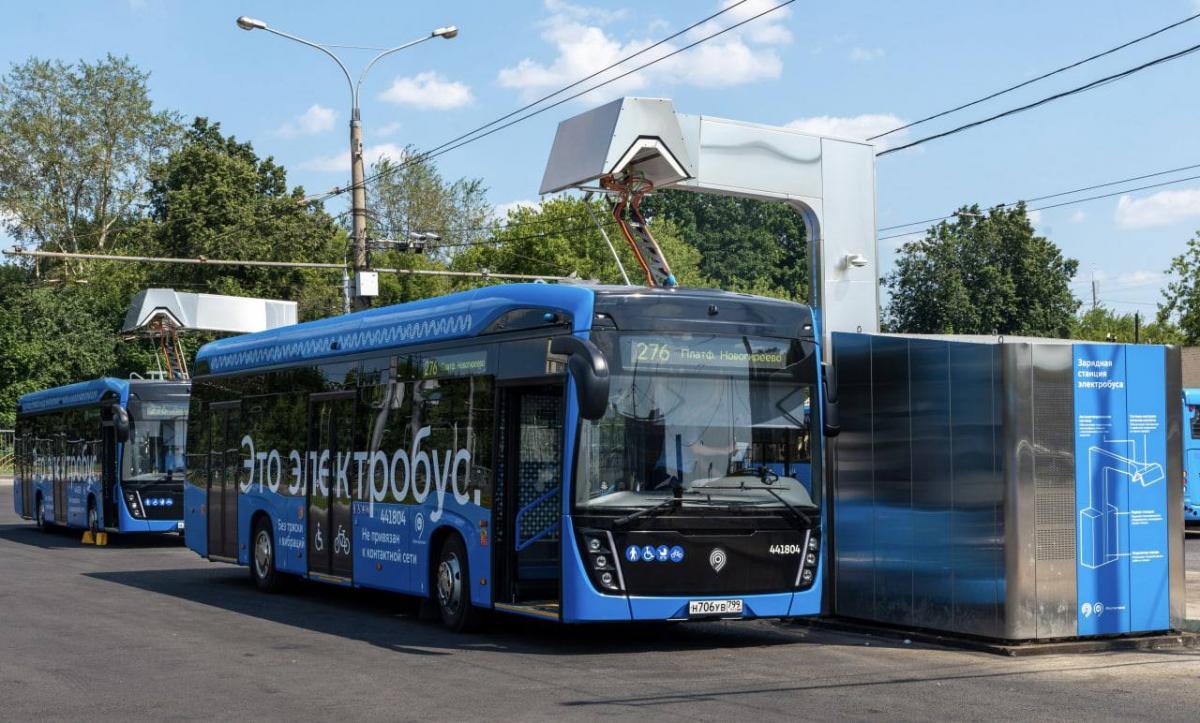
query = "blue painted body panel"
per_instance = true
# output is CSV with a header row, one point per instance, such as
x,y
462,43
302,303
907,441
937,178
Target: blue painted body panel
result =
x,y
1191,457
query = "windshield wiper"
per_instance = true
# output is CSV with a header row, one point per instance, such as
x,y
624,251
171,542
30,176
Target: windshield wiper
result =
x,y
675,499
796,511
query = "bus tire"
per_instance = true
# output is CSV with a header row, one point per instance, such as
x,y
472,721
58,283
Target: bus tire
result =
x,y
262,557
452,587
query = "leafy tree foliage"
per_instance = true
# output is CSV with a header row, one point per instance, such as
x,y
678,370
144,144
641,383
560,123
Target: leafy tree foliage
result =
x,y
744,244
982,273
1104,324
214,197
76,145
1181,298
558,238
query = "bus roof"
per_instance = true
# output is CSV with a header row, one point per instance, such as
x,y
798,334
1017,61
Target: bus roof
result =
x,y
79,394
454,316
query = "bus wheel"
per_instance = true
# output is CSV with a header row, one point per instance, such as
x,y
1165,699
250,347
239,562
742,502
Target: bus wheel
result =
x,y
93,520
453,587
262,559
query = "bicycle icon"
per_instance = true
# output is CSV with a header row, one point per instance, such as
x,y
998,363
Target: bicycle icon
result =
x,y
341,543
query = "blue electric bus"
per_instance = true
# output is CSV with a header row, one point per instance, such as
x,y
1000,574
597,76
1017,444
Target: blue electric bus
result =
x,y
105,455
1191,455
571,453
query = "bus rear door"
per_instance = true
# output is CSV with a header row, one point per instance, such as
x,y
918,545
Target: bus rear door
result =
x,y
330,521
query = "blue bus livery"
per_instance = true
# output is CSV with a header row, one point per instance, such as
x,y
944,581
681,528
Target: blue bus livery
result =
x,y
1191,455
102,455
571,453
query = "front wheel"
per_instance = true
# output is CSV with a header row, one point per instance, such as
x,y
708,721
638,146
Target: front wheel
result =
x,y
93,519
262,558
453,587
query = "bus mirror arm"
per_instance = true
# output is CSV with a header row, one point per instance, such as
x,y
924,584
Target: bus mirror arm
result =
x,y
829,387
120,420
589,369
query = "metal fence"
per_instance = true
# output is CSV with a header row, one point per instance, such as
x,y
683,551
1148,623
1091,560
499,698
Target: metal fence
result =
x,y
6,452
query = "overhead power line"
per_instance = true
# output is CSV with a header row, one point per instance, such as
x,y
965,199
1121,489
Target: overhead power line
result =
x,y
1048,196
1048,99
1072,202
202,261
476,134
1041,77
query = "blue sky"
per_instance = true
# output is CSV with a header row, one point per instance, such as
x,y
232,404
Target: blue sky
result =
x,y
847,67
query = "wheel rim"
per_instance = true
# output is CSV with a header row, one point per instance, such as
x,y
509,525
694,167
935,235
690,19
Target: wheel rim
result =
x,y
262,554
449,583
93,521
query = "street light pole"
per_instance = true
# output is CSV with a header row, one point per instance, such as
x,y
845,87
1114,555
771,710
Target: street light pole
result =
x,y
360,261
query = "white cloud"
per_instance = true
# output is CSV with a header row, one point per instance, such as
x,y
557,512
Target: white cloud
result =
x,y
1079,216
501,210
1159,209
584,47
428,91
317,119
1035,217
340,162
859,127
1141,277
865,55
581,12
388,129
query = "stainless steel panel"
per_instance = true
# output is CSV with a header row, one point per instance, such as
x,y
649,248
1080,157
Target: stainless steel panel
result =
x,y
976,535
207,312
849,294
933,485
893,518
1054,490
1020,512
852,547
1175,531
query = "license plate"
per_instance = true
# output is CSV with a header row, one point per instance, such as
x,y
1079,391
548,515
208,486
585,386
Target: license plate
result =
x,y
715,607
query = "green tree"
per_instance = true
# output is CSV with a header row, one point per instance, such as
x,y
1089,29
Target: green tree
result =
x,y
558,238
1181,298
54,334
76,145
214,197
1104,324
744,244
982,274
410,198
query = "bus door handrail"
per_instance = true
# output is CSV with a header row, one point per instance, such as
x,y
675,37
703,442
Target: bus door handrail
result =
x,y
522,544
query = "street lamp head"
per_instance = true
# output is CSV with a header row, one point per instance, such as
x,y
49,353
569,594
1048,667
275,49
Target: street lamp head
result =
x,y
246,22
447,32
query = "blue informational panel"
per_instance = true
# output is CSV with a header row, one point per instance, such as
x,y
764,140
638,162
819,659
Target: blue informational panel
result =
x,y
1121,488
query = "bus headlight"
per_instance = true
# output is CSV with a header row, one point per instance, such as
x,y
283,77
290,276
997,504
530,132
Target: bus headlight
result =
x,y
134,503
807,573
603,565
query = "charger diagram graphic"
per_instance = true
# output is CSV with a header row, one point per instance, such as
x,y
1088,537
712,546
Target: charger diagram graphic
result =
x,y
1100,540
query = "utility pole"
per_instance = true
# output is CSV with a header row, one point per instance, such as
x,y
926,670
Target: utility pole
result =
x,y
1137,327
359,259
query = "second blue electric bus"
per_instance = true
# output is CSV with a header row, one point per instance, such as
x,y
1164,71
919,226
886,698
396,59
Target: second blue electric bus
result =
x,y
105,455
571,453
1191,455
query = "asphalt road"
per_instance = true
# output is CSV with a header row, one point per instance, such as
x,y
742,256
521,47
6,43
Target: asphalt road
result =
x,y
146,630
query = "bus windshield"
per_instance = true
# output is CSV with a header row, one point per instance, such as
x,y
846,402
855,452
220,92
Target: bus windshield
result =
x,y
713,420
155,449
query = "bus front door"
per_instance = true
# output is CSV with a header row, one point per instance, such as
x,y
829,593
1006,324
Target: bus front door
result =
x,y
533,492
108,472
224,461
330,524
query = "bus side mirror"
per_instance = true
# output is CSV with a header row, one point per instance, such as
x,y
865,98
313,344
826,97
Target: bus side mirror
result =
x,y
120,419
589,369
833,425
